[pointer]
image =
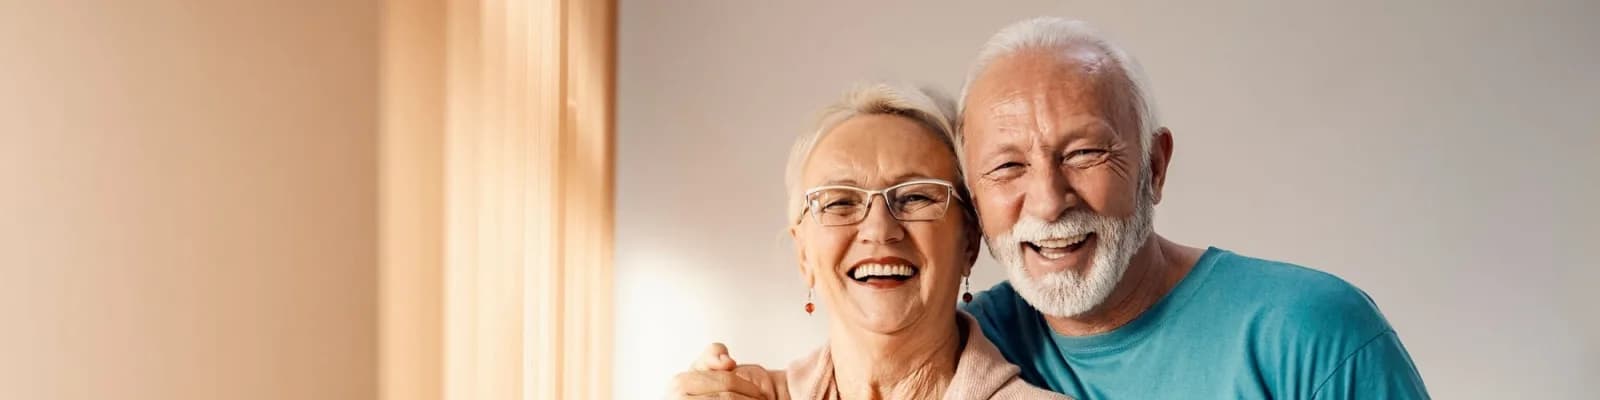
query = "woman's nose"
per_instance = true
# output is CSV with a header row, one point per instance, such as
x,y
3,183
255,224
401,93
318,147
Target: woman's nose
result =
x,y
880,226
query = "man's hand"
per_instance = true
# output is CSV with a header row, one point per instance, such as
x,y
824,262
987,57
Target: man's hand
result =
x,y
716,376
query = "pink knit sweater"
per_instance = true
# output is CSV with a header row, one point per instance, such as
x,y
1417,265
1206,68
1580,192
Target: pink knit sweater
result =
x,y
981,373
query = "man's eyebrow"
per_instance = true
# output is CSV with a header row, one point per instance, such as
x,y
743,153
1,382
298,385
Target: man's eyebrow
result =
x,y
1002,149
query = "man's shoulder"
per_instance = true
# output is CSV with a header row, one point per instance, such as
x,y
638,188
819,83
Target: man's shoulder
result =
x,y
1301,301
1013,326
1311,321
1001,307
1000,303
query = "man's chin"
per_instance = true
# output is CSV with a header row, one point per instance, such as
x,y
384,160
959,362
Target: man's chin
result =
x,y
1066,293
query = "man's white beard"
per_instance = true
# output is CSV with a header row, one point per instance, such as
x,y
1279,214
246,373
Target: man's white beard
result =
x,y
1068,293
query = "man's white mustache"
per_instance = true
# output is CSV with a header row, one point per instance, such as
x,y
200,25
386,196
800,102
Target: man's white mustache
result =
x,y
1034,229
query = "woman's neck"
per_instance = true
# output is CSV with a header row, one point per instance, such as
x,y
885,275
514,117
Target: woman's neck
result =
x,y
915,363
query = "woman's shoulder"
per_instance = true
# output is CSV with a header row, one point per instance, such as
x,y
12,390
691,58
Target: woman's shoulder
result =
x,y
983,373
811,376
1018,389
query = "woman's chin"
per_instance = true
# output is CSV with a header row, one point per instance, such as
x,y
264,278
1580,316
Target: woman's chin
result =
x,y
888,318
884,324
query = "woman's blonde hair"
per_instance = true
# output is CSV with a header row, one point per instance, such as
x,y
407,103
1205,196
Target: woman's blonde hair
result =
x,y
930,108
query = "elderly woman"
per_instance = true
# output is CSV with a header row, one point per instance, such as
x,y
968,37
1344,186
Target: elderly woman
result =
x,y
884,238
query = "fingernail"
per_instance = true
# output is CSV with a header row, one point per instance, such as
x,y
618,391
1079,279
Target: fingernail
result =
x,y
725,358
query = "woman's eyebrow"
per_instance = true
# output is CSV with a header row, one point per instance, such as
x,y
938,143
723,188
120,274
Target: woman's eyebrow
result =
x,y
897,180
909,176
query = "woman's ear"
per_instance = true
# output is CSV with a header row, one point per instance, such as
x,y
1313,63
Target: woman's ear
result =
x,y
800,254
974,243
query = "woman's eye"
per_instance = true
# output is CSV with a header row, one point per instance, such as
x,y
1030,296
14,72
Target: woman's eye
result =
x,y
839,206
914,199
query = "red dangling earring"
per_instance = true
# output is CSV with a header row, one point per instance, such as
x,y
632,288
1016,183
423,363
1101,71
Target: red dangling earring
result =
x,y
966,289
809,307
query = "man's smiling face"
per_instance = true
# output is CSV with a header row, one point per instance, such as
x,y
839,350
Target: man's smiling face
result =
x,y
1057,173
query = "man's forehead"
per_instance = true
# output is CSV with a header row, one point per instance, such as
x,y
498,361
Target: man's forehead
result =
x,y
1040,105
1076,61
1035,76
1021,86
1076,70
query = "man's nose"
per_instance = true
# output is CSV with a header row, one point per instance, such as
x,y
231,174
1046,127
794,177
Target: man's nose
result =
x,y
1049,194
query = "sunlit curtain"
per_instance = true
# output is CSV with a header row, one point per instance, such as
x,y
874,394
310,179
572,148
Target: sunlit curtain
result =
x,y
526,203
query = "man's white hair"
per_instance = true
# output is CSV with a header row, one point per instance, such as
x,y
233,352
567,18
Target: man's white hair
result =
x,y
1060,34
927,107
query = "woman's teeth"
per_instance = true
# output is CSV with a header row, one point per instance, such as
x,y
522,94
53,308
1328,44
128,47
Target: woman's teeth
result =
x,y
865,271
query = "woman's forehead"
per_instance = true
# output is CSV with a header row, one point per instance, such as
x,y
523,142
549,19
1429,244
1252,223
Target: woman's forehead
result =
x,y
874,151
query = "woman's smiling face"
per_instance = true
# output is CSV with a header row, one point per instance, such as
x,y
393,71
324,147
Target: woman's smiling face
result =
x,y
882,274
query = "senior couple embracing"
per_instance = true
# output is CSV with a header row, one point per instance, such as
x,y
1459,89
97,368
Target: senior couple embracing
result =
x,y
1054,159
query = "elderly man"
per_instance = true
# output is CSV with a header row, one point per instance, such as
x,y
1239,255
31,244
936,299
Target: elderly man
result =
x,y
1065,161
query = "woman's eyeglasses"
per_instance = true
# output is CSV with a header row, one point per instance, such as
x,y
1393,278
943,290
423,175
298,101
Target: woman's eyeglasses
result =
x,y
916,200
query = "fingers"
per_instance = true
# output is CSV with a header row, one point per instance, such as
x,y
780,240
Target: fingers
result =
x,y
711,383
715,375
715,358
757,375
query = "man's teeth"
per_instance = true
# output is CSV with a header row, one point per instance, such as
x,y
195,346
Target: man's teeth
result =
x,y
874,270
1060,243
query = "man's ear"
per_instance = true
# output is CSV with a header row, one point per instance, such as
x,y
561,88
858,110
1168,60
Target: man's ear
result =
x,y
1160,158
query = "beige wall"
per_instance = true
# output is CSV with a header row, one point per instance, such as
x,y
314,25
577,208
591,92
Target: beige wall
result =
x,y
188,205
1438,154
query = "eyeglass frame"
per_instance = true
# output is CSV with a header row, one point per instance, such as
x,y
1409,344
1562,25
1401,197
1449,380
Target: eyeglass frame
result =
x,y
871,194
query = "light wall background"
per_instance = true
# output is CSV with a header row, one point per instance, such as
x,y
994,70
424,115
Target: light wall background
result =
x,y
1438,154
188,197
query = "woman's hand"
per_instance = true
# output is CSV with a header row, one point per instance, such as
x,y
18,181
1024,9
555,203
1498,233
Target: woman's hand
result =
x,y
716,376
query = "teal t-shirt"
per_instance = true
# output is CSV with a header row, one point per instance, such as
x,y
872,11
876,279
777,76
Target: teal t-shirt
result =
x,y
1235,328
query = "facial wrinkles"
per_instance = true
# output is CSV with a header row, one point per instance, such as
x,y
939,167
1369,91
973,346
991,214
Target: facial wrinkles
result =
x,y
1089,97
1016,121
1046,111
1056,123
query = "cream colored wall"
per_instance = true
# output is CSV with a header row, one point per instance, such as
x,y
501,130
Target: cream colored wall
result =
x,y
188,202
1439,154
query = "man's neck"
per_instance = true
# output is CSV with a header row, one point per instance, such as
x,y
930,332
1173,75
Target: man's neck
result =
x,y
1152,273
916,363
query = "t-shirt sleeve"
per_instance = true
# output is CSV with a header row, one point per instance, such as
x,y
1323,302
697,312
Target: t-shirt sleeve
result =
x,y
1379,369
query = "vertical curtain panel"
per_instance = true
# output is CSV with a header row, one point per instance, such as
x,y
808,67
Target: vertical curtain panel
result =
x,y
525,157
